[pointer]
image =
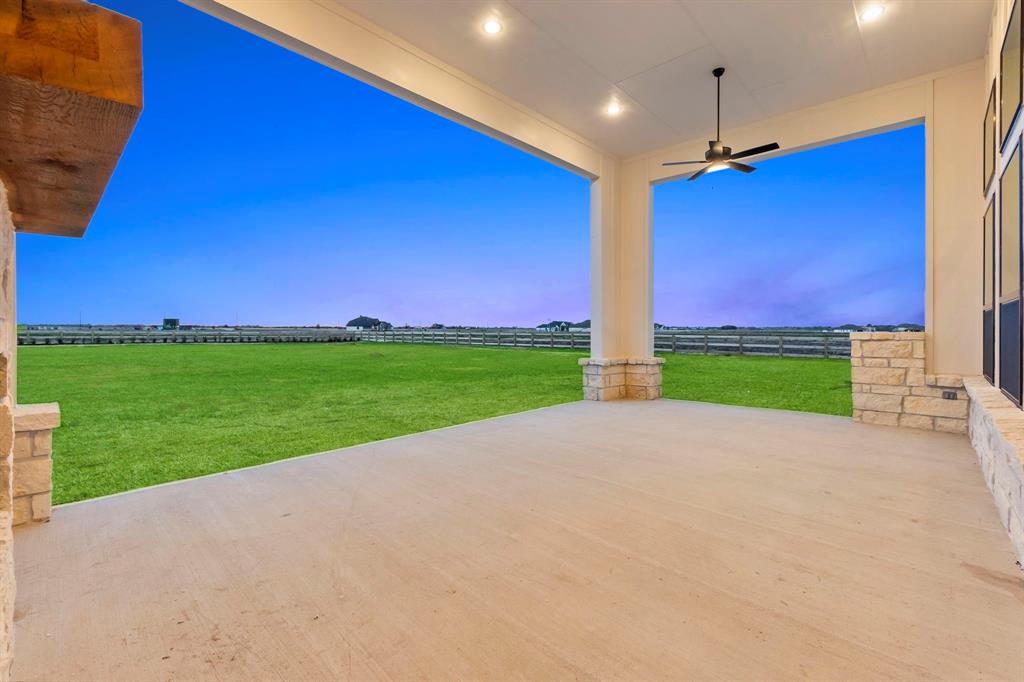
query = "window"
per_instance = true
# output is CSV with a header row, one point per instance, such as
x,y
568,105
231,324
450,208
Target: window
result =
x,y
1009,279
988,318
1009,243
989,140
1010,75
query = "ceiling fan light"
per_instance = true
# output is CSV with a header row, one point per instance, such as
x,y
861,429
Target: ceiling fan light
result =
x,y
492,26
872,12
715,167
613,109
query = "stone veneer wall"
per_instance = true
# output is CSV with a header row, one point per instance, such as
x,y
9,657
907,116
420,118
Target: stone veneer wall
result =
x,y
33,446
634,379
7,334
891,388
997,434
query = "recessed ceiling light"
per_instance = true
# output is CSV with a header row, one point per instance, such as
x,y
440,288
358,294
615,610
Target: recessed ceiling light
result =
x,y
613,109
492,26
872,12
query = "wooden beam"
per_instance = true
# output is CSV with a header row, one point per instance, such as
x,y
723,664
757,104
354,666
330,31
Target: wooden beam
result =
x,y
70,94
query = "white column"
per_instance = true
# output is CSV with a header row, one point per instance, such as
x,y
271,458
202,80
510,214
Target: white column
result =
x,y
622,324
603,245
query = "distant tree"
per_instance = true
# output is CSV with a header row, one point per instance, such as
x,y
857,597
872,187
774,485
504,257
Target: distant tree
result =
x,y
849,326
364,322
728,326
585,324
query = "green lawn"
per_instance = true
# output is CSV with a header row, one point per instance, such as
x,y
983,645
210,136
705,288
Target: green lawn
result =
x,y
803,384
138,415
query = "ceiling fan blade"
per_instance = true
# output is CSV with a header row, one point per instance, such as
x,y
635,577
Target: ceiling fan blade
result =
x,y
741,167
755,150
699,173
681,163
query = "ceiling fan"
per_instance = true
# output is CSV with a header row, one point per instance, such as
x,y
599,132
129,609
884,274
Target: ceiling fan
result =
x,y
718,156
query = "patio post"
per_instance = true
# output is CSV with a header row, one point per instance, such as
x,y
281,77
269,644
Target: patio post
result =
x,y
621,362
8,331
70,93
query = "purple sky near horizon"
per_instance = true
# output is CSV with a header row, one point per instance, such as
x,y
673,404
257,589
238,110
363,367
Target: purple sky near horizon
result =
x,y
262,188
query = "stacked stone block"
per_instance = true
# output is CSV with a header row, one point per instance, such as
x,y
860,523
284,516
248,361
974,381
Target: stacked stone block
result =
x,y
617,379
33,466
891,388
997,434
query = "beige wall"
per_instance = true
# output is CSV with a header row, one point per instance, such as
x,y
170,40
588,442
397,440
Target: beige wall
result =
x,y
8,331
955,211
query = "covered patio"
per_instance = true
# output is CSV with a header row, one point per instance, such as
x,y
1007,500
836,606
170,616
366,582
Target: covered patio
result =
x,y
623,536
592,540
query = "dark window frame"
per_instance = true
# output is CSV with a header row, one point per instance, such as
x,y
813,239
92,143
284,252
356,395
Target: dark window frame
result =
x,y
1004,133
998,302
990,120
988,279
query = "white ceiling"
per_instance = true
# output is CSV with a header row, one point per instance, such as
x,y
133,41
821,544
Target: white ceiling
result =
x,y
567,59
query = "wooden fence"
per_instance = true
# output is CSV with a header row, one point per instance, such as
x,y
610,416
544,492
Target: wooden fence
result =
x,y
711,342
739,342
51,337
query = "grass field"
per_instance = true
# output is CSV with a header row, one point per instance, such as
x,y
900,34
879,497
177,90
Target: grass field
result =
x,y
138,415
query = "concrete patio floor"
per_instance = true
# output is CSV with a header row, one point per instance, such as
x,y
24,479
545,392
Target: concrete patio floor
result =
x,y
624,540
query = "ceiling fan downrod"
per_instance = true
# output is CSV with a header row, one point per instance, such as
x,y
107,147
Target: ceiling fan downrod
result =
x,y
718,73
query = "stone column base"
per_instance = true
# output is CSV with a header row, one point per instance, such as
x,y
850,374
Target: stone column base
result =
x,y
33,467
622,378
891,388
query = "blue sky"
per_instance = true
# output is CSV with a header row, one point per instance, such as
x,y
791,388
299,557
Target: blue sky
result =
x,y
263,188
826,236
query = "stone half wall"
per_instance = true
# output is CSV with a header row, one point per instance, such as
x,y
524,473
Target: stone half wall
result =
x,y
997,434
33,466
617,379
891,388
